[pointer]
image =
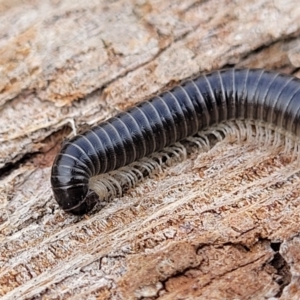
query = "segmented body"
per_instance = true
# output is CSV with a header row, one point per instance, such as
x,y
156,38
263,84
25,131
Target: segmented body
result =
x,y
150,126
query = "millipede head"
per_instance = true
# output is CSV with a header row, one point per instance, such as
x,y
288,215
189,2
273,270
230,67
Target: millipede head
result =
x,y
76,200
87,205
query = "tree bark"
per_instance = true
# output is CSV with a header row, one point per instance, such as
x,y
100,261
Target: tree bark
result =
x,y
221,223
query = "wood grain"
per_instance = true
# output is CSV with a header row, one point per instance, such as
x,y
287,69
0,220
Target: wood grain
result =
x,y
220,224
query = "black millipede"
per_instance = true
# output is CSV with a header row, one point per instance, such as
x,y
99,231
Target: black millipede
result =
x,y
150,126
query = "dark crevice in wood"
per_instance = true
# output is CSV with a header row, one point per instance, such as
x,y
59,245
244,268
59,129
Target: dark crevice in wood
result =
x,y
282,267
42,158
10,167
258,50
275,246
295,71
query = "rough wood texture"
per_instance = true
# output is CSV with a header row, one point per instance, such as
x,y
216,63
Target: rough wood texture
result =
x,y
223,224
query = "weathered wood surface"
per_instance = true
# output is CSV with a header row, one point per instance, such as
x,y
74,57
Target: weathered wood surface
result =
x,y
223,224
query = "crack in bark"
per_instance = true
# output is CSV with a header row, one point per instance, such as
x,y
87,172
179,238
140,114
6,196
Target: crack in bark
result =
x,y
38,158
282,267
213,278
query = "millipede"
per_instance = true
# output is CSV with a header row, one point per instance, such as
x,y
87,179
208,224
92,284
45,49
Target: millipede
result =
x,y
152,125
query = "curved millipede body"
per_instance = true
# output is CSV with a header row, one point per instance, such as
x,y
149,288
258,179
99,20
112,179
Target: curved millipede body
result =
x,y
150,126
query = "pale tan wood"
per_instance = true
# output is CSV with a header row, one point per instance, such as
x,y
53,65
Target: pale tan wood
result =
x,y
222,224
